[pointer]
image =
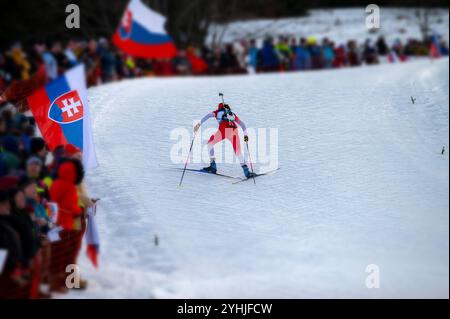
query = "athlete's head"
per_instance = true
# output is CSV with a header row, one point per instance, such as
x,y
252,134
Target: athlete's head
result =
x,y
224,106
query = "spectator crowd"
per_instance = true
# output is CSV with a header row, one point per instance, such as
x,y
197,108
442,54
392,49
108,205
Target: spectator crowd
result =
x,y
105,63
43,204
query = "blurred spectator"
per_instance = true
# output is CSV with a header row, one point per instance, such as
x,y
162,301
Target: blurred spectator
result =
x,y
399,51
382,47
341,58
91,60
164,67
181,64
328,53
353,53
38,148
50,63
316,53
284,52
198,65
240,51
252,57
64,192
60,57
20,60
71,53
107,61
269,58
35,172
369,54
11,242
30,241
229,63
34,202
444,48
302,60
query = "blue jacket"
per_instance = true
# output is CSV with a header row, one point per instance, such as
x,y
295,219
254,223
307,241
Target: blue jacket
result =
x,y
269,56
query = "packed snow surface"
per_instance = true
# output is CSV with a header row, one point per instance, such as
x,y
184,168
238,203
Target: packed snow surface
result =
x,y
362,182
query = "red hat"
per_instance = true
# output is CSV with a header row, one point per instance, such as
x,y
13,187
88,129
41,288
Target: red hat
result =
x,y
71,150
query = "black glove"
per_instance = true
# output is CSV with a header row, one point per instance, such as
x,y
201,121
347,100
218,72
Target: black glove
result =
x,y
245,138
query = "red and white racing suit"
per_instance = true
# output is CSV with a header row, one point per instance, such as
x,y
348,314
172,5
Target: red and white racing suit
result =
x,y
227,130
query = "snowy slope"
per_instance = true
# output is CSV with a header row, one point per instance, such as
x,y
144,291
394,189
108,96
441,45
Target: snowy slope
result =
x,y
362,182
339,25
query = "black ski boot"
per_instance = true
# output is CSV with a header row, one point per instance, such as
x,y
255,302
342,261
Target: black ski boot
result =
x,y
247,173
212,168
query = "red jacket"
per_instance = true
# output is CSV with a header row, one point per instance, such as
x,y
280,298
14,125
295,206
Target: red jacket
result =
x,y
198,65
64,192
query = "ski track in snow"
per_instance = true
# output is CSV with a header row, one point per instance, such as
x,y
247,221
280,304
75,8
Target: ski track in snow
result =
x,y
362,182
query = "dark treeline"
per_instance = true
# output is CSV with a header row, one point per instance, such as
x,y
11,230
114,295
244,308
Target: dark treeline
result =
x,y
29,21
188,20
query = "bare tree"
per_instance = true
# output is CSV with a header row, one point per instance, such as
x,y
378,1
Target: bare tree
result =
x,y
423,19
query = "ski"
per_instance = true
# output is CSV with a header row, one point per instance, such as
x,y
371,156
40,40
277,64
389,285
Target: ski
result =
x,y
204,172
257,175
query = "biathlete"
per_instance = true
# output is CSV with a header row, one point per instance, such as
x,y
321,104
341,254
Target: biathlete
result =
x,y
228,129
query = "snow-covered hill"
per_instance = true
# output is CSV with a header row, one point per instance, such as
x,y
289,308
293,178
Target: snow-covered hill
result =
x,y
362,181
339,25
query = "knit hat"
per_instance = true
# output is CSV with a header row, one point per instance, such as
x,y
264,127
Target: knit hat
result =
x,y
34,160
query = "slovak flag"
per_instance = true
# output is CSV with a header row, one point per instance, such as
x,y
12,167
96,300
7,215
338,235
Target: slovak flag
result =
x,y
92,237
141,33
393,57
61,112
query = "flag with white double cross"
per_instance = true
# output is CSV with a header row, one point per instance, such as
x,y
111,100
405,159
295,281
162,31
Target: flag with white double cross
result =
x,y
61,110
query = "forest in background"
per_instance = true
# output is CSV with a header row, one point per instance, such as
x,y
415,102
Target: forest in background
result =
x,y
188,20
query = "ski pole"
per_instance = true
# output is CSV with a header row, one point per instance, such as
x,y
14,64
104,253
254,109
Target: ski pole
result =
x,y
187,160
251,163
